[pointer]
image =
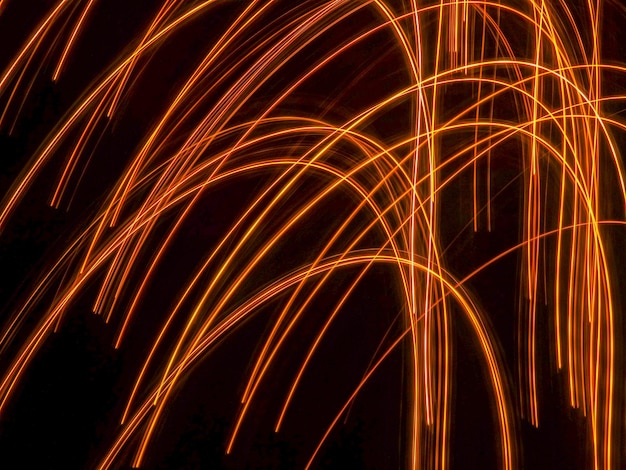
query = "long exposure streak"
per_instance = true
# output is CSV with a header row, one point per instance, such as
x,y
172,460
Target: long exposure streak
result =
x,y
313,234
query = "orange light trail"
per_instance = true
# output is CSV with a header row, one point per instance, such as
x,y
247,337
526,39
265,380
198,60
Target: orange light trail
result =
x,y
440,178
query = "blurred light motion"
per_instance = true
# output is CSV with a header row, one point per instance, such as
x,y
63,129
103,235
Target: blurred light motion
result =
x,y
223,164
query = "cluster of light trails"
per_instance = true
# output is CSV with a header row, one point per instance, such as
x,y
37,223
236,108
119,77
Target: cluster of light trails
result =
x,y
354,121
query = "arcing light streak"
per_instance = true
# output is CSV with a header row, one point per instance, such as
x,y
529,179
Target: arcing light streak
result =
x,y
473,87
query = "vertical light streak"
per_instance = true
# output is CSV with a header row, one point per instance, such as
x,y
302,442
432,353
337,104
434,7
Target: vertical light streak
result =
x,y
72,39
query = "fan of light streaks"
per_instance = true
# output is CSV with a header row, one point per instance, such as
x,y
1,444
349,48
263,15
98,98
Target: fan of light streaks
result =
x,y
272,163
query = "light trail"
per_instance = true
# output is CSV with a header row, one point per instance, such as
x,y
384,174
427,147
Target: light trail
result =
x,y
352,141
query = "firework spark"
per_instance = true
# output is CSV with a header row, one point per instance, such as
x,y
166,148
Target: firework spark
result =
x,y
319,221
